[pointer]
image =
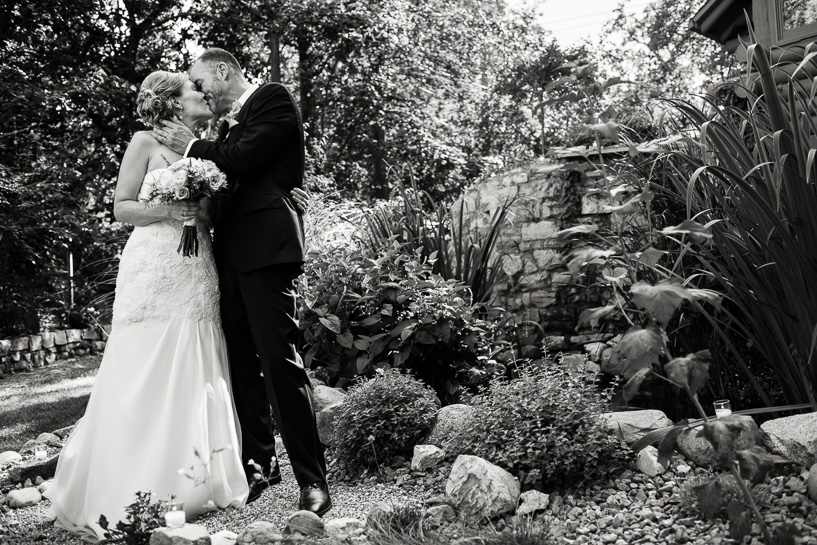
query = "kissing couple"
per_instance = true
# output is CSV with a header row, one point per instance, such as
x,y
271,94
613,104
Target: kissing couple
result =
x,y
202,348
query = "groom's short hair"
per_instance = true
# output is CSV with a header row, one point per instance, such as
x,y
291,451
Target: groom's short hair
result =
x,y
215,55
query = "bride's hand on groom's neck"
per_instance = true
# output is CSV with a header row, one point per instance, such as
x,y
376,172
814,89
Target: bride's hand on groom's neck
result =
x,y
174,134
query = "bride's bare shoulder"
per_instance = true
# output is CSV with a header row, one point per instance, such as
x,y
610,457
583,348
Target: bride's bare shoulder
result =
x,y
144,138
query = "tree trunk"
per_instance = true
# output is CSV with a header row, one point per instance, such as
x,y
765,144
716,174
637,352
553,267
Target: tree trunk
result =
x,y
306,86
380,186
274,61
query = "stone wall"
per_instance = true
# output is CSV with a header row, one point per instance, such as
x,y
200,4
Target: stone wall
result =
x,y
546,197
33,351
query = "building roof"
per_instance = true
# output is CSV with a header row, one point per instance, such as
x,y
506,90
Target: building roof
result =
x,y
723,21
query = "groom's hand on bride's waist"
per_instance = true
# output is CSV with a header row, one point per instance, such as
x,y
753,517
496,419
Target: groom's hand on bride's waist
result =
x,y
174,135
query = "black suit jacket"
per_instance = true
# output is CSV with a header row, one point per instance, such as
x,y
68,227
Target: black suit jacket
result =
x,y
263,157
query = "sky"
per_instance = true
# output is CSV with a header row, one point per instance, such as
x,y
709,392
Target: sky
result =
x,y
572,21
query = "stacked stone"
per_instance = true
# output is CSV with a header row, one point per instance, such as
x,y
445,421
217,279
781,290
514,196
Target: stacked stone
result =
x,y
545,198
32,351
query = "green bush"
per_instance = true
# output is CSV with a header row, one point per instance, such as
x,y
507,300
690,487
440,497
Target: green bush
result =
x,y
361,311
382,418
544,428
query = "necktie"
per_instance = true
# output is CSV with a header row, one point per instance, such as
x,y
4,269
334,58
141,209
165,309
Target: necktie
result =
x,y
223,129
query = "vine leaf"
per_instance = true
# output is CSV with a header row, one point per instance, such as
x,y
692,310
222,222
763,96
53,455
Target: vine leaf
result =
x,y
690,371
331,322
755,463
740,520
593,315
660,300
633,205
710,498
586,255
784,534
578,229
632,386
667,445
723,434
649,257
640,347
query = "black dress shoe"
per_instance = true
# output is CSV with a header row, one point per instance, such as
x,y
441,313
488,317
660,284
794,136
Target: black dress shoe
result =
x,y
257,486
315,498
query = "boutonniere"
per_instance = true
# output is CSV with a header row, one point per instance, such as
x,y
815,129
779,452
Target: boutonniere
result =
x,y
231,115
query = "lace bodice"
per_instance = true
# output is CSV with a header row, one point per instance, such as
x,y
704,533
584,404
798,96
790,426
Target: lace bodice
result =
x,y
157,283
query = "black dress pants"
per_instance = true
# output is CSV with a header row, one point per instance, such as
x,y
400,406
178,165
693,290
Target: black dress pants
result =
x,y
258,313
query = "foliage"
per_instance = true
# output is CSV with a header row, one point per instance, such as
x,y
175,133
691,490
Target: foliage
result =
x,y
728,490
382,418
657,48
749,178
361,311
439,235
543,427
141,518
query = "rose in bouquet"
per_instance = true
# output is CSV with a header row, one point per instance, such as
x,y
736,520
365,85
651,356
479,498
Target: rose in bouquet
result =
x,y
189,179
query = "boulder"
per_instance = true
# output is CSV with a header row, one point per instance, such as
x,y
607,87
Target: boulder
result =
x,y
63,433
451,421
305,523
344,528
31,470
426,456
811,483
20,343
9,457
45,485
73,335
35,342
48,439
5,347
633,425
578,363
648,464
189,534
326,423
324,396
23,497
793,437
696,447
532,501
224,537
60,338
259,533
440,514
594,351
479,489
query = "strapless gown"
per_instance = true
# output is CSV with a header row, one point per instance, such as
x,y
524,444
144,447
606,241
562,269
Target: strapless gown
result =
x,y
162,392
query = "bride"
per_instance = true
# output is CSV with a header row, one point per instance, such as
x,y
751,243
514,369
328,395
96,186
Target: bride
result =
x,y
162,404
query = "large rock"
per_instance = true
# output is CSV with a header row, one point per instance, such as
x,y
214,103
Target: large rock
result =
x,y
305,523
23,497
189,534
811,483
326,423
48,439
647,462
224,537
324,396
32,470
633,425
793,437
532,501
259,533
452,420
696,447
426,456
9,457
343,528
480,489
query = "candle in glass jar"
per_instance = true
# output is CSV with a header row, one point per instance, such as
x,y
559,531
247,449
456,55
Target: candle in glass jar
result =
x,y
174,518
722,408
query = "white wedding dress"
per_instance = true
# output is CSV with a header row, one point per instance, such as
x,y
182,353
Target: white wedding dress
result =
x,y
162,392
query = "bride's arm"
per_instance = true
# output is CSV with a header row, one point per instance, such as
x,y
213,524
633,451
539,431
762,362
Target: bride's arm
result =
x,y
126,206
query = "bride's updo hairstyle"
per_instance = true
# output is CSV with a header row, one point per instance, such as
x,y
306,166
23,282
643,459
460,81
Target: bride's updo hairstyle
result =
x,y
153,103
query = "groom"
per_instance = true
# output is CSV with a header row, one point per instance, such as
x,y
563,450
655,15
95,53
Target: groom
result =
x,y
259,250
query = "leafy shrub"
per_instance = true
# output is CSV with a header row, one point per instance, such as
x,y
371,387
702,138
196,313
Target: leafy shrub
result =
x,y
382,418
141,518
543,427
361,311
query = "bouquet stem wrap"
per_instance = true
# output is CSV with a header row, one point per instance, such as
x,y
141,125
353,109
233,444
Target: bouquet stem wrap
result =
x,y
189,244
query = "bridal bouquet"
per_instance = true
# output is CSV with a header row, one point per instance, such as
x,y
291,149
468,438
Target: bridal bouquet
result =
x,y
189,179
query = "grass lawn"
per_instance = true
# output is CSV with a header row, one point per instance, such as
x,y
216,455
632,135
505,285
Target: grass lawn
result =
x,y
45,399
